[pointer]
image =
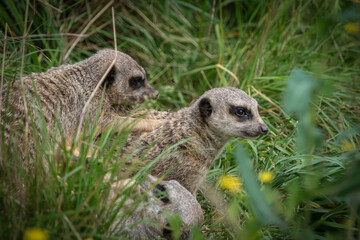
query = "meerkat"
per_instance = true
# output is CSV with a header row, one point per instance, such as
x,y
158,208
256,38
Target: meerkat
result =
x,y
63,91
204,128
148,220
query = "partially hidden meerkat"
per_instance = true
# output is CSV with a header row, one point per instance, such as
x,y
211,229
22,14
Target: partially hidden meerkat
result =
x,y
206,126
149,219
63,91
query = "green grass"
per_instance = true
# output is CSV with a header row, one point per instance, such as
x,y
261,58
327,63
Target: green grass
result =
x,y
187,47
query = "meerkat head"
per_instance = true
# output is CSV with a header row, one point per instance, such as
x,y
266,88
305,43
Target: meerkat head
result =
x,y
149,220
126,81
230,112
171,197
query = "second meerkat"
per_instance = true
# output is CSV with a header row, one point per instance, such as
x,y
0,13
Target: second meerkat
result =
x,y
61,93
218,115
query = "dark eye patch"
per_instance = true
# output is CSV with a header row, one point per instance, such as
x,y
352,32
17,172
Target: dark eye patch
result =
x,y
136,82
242,113
160,192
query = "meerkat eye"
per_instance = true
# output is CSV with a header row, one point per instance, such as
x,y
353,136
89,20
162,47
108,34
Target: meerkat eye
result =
x,y
241,112
136,82
160,192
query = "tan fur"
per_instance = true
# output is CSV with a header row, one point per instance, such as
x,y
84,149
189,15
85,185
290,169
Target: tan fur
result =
x,y
149,221
63,91
206,125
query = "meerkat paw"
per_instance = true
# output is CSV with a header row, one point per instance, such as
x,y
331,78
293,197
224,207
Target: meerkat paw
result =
x,y
147,125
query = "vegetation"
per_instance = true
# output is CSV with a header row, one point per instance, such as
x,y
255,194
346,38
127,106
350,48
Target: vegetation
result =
x,y
299,59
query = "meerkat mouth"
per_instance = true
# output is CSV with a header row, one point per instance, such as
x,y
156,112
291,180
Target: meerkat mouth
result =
x,y
250,136
140,100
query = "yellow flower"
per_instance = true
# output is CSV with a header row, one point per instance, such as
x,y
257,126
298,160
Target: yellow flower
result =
x,y
347,146
266,176
231,183
351,28
88,239
35,234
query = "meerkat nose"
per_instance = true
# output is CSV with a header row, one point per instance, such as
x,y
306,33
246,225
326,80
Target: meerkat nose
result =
x,y
155,94
264,129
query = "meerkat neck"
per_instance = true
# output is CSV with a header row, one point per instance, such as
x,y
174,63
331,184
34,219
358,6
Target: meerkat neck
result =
x,y
211,141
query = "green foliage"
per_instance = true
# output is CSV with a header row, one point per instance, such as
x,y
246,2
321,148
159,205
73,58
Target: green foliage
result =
x,y
297,58
260,206
301,89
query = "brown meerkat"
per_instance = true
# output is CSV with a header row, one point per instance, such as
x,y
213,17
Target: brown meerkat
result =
x,y
63,91
148,220
205,126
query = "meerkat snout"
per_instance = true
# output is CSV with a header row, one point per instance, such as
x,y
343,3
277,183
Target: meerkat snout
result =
x,y
155,94
264,129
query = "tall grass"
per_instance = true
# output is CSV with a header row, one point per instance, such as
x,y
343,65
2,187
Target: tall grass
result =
x,y
188,47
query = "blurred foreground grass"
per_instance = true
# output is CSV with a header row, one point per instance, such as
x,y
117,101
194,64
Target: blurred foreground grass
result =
x,y
299,59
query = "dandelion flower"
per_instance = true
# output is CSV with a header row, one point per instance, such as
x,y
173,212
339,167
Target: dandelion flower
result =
x,y
231,183
266,176
35,234
351,28
347,146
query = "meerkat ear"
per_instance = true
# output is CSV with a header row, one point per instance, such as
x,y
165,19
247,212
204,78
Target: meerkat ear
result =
x,y
110,78
205,108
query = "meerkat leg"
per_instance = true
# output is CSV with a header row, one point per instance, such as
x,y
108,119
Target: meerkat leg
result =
x,y
76,151
152,114
132,124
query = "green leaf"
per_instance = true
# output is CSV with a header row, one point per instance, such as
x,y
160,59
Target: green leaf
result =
x,y
260,206
299,91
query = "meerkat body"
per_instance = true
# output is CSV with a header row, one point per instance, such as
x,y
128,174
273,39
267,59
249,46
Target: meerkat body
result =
x,y
206,125
62,92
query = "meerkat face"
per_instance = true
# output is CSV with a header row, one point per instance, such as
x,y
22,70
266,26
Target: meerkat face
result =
x,y
126,82
231,112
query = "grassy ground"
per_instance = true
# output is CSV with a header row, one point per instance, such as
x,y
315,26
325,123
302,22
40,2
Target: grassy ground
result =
x,y
299,59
